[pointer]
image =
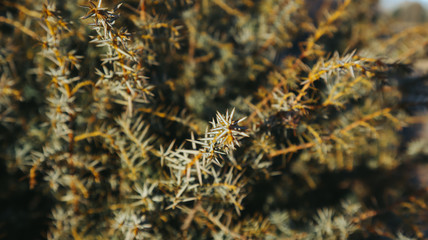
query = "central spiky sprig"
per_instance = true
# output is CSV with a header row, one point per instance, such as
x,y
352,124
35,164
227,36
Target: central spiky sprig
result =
x,y
225,132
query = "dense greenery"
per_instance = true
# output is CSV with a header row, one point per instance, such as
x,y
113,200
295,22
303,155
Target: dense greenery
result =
x,y
211,119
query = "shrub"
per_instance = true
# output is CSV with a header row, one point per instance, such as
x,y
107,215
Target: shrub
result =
x,y
104,106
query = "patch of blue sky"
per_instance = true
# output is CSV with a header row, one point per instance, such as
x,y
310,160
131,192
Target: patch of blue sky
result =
x,y
393,4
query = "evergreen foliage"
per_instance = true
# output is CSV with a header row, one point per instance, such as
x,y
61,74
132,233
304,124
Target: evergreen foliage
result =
x,y
210,119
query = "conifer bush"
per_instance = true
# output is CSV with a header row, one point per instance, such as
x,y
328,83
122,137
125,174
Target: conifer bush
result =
x,y
211,119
